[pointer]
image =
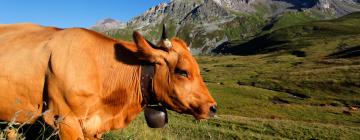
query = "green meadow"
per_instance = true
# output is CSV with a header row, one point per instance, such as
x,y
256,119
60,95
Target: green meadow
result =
x,y
269,97
291,82
296,80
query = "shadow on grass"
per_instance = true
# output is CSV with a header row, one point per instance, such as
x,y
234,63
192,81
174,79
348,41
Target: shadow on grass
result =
x,y
347,53
255,46
37,131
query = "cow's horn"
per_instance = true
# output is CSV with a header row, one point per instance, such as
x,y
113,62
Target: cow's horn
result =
x,y
164,34
164,38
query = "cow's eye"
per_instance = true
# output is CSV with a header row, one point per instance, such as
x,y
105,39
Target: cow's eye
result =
x,y
181,72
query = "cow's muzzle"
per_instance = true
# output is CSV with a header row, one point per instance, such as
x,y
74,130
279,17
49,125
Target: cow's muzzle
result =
x,y
213,110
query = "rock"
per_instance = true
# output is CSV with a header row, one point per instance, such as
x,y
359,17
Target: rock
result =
x,y
338,7
237,5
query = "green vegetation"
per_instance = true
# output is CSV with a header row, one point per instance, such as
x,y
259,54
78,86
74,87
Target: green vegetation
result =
x,y
269,96
151,33
328,34
260,96
299,79
243,27
295,82
290,19
124,34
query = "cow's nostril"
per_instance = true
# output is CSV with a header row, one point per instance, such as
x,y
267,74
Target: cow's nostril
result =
x,y
213,109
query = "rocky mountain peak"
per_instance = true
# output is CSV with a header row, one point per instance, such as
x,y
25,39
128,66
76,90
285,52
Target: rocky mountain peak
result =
x,y
107,21
338,7
156,9
108,24
236,5
175,9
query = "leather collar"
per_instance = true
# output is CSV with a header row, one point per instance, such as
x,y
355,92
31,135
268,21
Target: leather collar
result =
x,y
146,83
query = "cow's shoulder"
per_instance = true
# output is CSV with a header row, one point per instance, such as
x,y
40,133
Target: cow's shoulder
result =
x,y
25,27
86,34
20,26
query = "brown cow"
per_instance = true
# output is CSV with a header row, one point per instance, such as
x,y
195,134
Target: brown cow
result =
x,y
84,83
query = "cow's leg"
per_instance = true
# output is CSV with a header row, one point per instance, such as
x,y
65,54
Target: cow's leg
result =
x,y
65,121
60,115
67,124
70,129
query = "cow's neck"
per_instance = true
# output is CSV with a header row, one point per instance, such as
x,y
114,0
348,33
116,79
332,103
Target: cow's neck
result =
x,y
121,96
146,83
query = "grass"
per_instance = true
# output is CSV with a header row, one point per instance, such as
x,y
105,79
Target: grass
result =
x,y
301,82
308,35
36,131
256,99
292,18
252,106
243,27
297,86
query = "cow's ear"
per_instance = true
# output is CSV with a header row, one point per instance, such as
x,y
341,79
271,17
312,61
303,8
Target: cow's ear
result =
x,y
146,50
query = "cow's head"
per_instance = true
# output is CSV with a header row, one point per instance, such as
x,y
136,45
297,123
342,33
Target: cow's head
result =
x,y
177,82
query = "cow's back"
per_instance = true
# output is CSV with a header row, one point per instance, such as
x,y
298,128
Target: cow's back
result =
x,y
24,58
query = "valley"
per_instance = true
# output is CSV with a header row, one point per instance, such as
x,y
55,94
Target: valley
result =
x,y
292,75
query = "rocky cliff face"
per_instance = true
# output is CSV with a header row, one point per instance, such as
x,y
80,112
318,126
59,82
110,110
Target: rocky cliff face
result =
x,y
204,24
338,7
209,11
237,5
154,14
176,10
191,9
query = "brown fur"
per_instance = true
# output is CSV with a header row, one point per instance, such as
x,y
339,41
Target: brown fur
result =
x,y
91,83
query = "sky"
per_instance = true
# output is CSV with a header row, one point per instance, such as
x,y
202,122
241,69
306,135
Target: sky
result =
x,y
71,13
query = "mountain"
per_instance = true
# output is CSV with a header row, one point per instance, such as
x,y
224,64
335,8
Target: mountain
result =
x,y
335,38
206,24
108,24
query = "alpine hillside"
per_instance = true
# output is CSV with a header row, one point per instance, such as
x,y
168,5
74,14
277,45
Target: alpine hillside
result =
x,y
206,24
